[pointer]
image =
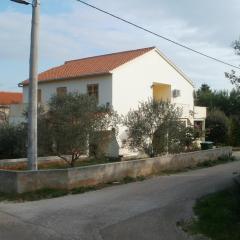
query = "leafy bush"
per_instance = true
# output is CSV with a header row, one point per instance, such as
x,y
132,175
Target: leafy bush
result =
x,y
13,141
64,129
217,125
234,138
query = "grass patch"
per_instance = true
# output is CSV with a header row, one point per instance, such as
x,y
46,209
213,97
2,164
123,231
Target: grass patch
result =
x,y
205,164
80,163
59,164
131,179
54,193
33,196
212,163
218,215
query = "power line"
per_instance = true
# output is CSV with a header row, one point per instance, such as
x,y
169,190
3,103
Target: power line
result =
x,y
158,35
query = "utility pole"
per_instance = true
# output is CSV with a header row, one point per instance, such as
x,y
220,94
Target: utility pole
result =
x,y
33,84
33,87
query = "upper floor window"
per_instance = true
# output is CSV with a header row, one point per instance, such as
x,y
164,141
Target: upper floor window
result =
x,y
61,91
93,90
39,95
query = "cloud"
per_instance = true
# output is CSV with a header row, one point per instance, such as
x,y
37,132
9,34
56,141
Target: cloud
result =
x,y
80,31
14,35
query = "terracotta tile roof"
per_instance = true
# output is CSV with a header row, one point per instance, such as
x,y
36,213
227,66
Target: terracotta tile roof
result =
x,y
97,65
7,98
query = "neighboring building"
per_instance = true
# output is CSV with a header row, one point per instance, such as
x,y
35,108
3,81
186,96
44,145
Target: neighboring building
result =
x,y
122,80
6,99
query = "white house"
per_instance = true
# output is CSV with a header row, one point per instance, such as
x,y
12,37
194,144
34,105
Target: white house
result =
x,y
122,80
6,100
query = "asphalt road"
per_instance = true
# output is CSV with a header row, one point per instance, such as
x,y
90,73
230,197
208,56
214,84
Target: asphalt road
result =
x,y
135,211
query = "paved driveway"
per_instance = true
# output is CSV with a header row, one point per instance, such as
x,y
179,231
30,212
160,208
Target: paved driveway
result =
x,y
136,211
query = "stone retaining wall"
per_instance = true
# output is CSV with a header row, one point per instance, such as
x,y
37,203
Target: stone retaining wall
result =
x,y
25,181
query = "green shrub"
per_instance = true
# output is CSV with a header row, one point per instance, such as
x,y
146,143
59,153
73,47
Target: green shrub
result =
x,y
154,128
234,138
217,125
13,141
70,121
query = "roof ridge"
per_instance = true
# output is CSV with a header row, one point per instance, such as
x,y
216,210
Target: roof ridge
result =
x,y
10,92
109,54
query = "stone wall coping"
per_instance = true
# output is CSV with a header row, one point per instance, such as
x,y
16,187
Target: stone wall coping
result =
x,y
114,163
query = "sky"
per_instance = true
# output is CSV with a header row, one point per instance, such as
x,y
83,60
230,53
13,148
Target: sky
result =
x,y
70,30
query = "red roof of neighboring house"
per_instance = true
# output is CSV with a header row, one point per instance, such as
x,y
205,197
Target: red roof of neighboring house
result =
x,y
90,66
7,98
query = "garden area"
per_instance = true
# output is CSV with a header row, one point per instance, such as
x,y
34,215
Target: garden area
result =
x,y
74,125
80,133
78,137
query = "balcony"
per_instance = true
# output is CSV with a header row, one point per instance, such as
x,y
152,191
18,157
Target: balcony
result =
x,y
200,112
185,108
161,92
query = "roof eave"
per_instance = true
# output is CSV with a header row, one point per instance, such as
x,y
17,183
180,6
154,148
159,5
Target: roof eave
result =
x,y
22,84
127,62
174,66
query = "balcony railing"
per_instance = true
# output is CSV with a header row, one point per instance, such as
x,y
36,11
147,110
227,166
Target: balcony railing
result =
x,y
185,108
200,112
196,112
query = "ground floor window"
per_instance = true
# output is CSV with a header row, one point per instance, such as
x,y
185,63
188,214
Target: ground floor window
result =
x,y
93,90
61,91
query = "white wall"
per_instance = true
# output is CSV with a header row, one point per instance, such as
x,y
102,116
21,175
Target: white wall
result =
x,y
80,85
132,82
16,113
200,112
129,84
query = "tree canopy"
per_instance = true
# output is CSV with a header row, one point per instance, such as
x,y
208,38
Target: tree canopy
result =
x,y
223,108
155,128
72,119
232,76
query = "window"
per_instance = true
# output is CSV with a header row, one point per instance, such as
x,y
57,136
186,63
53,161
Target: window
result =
x,y
3,117
92,90
39,95
61,91
176,93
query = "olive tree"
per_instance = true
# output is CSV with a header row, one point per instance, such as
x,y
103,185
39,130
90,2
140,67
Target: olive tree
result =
x,y
73,118
155,128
